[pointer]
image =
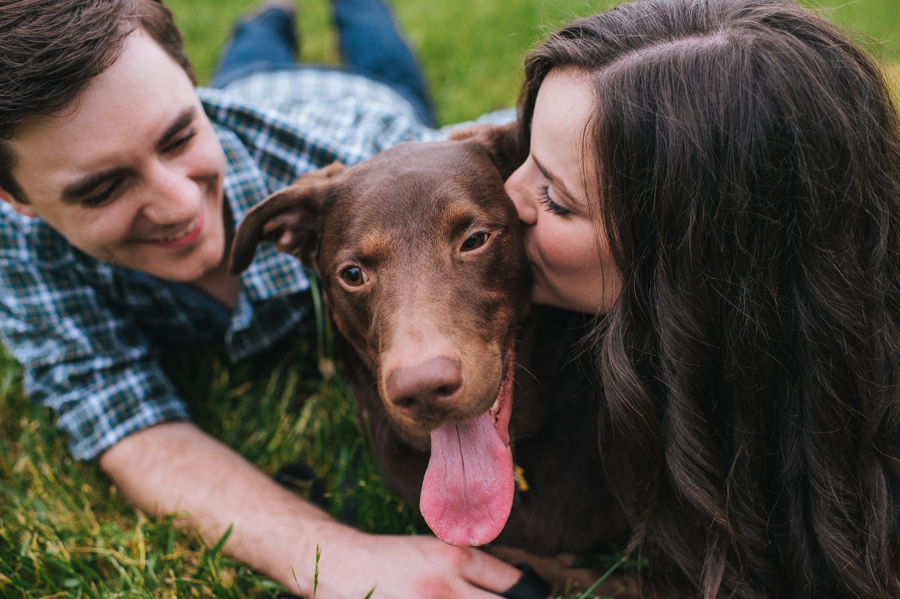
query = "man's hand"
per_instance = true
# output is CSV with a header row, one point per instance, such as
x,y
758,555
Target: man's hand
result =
x,y
175,467
407,567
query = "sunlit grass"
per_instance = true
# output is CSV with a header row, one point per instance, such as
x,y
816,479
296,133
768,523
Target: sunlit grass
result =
x,y
64,529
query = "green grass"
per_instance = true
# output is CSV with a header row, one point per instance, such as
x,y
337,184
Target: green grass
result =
x,y
65,531
472,50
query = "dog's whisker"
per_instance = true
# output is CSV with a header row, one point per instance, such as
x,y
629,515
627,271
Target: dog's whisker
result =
x,y
529,373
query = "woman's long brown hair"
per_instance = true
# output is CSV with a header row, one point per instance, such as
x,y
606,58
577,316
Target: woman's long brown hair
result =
x,y
746,161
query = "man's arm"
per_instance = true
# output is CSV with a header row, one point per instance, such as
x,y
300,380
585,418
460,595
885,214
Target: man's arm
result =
x,y
175,467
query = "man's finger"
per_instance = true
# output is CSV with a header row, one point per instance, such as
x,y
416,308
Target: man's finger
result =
x,y
490,573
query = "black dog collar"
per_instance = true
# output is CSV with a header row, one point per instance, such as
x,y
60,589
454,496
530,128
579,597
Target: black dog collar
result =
x,y
529,586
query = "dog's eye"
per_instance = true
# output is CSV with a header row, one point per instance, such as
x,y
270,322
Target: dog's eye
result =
x,y
354,276
475,241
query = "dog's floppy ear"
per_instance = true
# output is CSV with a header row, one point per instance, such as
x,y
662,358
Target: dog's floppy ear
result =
x,y
289,218
501,142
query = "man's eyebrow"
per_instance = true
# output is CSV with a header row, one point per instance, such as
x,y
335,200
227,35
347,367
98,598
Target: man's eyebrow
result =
x,y
74,192
184,119
557,183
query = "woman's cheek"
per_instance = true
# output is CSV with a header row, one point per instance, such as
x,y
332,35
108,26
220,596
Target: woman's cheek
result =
x,y
566,248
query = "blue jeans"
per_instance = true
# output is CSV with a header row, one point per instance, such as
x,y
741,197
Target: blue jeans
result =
x,y
369,42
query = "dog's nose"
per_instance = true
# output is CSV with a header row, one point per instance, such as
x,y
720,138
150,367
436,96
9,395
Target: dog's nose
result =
x,y
425,391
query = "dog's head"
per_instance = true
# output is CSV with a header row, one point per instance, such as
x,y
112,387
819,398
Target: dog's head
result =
x,y
420,255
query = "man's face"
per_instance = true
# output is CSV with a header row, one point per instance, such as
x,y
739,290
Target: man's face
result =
x,y
131,172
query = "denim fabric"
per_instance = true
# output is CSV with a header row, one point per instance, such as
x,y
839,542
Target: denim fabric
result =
x,y
369,42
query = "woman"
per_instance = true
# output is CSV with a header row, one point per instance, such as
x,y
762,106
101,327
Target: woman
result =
x,y
720,181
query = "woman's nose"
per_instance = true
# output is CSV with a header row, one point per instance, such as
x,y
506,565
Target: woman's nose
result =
x,y
517,189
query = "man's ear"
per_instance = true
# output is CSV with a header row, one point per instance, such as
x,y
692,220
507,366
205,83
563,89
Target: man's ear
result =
x,y
23,209
290,218
501,142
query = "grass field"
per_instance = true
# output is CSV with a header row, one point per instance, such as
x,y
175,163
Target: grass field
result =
x,y
64,530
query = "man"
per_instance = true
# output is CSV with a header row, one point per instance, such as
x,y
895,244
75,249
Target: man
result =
x,y
121,186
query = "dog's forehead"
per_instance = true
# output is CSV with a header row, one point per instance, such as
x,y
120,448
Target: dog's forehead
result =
x,y
412,193
415,164
416,181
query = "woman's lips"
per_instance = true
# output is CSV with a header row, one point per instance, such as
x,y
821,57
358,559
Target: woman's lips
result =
x,y
184,237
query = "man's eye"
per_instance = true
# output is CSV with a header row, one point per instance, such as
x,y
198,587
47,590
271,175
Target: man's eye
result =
x,y
181,141
103,195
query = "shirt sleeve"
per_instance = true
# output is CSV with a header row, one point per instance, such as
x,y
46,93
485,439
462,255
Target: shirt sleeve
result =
x,y
82,354
296,121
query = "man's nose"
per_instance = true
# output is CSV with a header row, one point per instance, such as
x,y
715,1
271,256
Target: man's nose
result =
x,y
517,189
172,196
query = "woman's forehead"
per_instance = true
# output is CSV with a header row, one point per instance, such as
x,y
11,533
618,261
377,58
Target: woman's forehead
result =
x,y
559,125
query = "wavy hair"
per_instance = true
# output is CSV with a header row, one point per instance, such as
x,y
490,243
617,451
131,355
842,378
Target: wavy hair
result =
x,y
748,178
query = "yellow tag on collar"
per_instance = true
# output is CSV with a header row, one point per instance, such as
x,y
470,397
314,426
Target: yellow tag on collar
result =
x,y
519,473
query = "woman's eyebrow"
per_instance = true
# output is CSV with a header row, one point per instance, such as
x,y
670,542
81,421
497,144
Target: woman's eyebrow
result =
x,y
557,182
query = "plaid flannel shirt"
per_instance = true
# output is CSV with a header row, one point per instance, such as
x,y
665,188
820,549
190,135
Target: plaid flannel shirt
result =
x,y
89,333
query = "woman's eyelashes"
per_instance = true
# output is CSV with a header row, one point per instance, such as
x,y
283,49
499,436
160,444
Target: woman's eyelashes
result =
x,y
550,205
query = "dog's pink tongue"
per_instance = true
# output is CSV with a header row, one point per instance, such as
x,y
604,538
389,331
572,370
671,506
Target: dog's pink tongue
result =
x,y
468,488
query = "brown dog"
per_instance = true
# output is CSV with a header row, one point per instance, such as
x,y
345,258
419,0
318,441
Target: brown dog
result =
x,y
420,257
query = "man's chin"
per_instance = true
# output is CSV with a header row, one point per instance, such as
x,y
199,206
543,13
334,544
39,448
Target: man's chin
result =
x,y
182,271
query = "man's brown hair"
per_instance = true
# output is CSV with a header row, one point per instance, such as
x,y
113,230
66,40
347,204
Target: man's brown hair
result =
x,y
50,50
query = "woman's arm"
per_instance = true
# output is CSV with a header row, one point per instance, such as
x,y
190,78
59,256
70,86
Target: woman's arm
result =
x,y
175,467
